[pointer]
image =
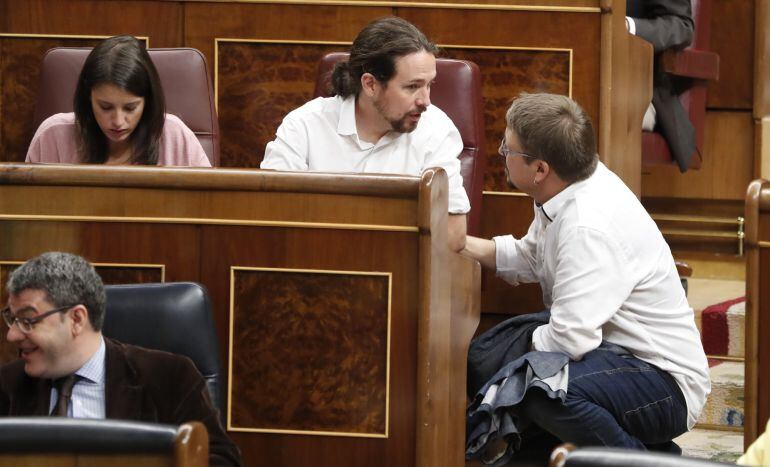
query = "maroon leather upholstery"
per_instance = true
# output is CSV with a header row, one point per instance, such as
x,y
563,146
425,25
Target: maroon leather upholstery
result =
x,y
183,74
457,92
699,65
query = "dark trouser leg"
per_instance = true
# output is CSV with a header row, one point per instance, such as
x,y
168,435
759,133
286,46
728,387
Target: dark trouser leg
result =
x,y
612,401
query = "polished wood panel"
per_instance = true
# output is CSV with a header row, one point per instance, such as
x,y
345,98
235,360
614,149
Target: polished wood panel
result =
x,y
735,47
338,383
19,74
159,20
329,249
761,62
727,163
203,223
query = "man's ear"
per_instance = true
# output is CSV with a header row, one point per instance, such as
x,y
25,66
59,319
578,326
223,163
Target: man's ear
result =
x,y
80,321
369,84
542,170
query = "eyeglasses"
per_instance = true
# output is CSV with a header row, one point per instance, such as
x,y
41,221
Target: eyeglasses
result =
x,y
505,152
26,324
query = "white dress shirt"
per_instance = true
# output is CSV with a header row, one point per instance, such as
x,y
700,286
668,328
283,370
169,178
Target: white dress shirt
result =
x,y
607,273
88,393
322,136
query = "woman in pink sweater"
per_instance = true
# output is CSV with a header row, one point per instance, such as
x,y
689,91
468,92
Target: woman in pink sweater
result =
x,y
119,116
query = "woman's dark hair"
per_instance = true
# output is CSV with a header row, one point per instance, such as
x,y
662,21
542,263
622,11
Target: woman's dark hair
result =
x,y
123,62
375,50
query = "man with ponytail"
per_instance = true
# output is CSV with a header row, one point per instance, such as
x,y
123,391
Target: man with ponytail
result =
x,y
380,120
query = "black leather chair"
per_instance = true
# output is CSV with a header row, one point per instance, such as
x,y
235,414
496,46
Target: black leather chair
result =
x,y
174,317
33,441
568,456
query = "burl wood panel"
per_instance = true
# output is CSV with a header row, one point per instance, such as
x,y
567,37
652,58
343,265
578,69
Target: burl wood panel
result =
x,y
130,274
109,275
258,84
206,21
506,74
19,74
339,250
312,351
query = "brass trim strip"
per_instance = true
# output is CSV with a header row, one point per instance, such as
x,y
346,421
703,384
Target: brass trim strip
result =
x,y
505,47
448,6
700,233
702,219
278,41
205,221
230,426
739,222
314,271
162,267
505,193
146,39
311,433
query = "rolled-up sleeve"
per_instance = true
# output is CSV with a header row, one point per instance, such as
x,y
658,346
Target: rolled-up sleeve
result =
x,y
516,259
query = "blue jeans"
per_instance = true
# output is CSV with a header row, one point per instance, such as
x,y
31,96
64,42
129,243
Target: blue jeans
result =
x,y
612,400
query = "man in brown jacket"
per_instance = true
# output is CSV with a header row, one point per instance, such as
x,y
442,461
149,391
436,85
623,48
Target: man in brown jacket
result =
x,y
55,313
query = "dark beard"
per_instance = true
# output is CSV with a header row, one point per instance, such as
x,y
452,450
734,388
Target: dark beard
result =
x,y
399,125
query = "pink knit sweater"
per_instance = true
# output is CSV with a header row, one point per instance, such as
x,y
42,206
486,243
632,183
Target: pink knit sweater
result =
x,y
56,142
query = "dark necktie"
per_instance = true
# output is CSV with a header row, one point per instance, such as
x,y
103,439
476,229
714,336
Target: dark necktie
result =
x,y
64,387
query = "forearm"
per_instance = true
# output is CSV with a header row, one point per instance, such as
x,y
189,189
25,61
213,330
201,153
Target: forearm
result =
x,y
457,228
482,250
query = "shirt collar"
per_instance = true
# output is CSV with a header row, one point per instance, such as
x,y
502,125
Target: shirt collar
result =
x,y
551,208
347,123
93,369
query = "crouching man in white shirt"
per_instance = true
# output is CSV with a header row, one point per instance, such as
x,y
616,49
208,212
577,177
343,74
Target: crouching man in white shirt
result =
x,y
606,274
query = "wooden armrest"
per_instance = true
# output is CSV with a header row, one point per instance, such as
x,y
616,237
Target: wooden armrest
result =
x,y
691,63
559,455
683,269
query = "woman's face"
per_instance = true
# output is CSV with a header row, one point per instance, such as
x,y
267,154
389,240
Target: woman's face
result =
x,y
117,111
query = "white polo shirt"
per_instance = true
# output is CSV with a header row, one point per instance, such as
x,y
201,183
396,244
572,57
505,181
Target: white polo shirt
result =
x,y
321,136
607,273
